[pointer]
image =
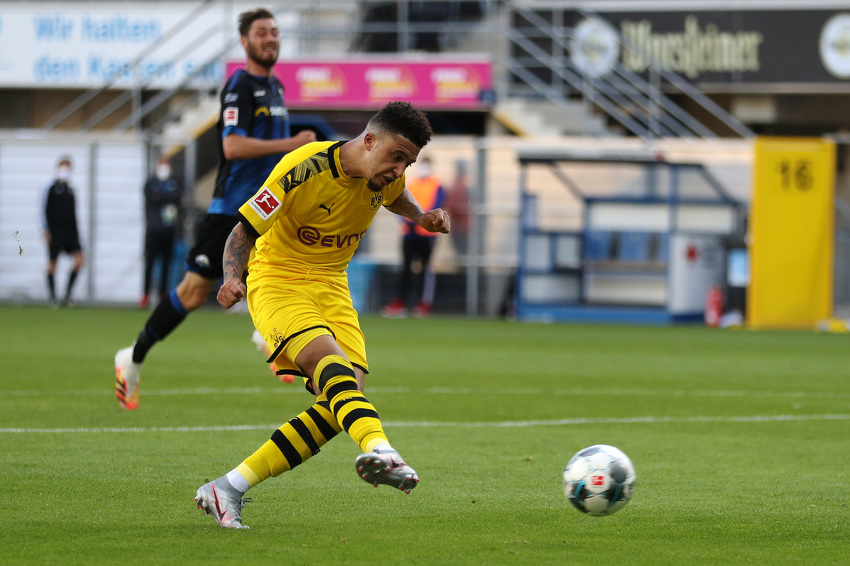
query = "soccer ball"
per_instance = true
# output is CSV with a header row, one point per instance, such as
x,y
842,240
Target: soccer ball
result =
x,y
599,480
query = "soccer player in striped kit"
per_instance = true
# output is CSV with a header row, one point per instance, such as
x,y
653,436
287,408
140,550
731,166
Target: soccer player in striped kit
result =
x,y
254,130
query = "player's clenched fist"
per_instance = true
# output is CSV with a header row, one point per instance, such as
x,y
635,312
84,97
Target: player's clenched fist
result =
x,y
436,220
231,292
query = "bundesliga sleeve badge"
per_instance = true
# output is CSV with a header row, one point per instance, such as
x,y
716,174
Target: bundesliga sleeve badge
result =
x,y
264,203
231,116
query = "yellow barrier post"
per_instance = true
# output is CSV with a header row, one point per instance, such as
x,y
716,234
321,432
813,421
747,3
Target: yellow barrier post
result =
x,y
791,233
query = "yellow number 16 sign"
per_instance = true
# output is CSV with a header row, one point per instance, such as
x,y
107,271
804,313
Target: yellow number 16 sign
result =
x,y
791,233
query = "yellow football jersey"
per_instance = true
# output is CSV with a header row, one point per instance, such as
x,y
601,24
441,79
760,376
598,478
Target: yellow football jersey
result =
x,y
309,213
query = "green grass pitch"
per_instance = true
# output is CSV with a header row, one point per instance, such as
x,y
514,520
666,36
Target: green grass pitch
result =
x,y
741,441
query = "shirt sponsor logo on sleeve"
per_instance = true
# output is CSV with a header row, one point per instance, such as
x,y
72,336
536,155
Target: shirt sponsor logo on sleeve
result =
x,y
264,204
231,116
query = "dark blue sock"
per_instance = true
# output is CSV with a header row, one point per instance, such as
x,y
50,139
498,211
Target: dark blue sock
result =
x,y
166,317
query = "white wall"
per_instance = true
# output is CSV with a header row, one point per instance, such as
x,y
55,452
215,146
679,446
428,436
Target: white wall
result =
x,y
107,178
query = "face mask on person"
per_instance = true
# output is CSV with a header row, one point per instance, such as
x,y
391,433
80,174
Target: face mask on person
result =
x,y
63,173
163,172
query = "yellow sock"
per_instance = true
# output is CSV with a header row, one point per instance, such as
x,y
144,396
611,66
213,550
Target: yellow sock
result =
x,y
291,444
352,410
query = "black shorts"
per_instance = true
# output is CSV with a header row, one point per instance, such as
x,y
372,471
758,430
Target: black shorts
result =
x,y
63,242
211,233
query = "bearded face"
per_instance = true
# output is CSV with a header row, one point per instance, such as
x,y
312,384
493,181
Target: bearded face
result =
x,y
262,44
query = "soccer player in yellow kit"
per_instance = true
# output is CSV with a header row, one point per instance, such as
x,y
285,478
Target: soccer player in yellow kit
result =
x,y
305,223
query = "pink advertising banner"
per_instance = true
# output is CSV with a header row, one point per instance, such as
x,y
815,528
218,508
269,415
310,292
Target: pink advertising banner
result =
x,y
352,84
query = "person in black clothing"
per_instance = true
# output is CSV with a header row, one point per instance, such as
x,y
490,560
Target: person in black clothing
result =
x,y
417,245
60,229
162,210
254,132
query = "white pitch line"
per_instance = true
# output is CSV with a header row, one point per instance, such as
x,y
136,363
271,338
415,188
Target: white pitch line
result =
x,y
447,424
286,390
165,392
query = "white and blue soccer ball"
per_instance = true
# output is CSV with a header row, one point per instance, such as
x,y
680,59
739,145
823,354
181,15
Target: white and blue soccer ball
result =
x,y
599,480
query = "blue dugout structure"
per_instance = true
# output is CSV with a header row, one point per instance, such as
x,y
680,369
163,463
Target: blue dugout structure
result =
x,y
649,247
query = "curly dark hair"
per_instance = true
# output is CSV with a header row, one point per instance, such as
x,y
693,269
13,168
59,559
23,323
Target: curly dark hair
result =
x,y
403,119
248,18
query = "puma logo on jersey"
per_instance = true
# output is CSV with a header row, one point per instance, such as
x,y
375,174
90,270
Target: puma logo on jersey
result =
x,y
328,208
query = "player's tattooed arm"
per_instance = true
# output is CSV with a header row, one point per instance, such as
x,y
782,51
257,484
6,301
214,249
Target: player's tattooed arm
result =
x,y
405,205
237,250
436,220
